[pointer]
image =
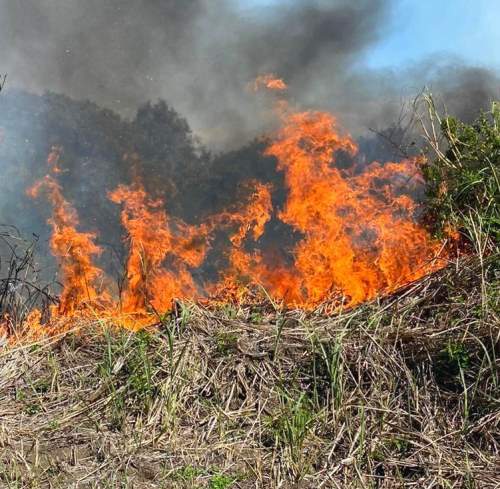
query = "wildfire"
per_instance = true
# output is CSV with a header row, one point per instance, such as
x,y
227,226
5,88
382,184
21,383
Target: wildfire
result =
x,y
269,82
357,227
74,250
249,222
360,233
153,237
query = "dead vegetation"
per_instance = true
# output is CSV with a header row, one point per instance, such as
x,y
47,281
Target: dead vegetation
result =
x,y
399,392
402,392
20,285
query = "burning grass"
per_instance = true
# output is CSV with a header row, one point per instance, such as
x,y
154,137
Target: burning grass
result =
x,y
401,392
358,227
277,380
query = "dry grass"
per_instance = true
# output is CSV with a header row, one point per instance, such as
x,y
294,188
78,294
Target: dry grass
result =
x,y
398,393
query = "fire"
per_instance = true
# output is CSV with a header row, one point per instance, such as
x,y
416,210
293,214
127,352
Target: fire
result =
x,y
248,223
154,237
269,82
74,250
357,227
360,233
53,159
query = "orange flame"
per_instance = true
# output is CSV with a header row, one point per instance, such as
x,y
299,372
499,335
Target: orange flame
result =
x,y
269,82
153,238
360,237
358,225
250,222
74,250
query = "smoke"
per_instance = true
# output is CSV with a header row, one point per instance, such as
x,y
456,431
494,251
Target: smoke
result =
x,y
199,55
467,90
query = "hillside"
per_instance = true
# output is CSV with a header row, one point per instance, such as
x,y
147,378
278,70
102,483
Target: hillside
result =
x,y
400,392
249,244
245,390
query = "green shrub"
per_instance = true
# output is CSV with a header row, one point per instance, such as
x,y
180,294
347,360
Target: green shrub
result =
x,y
463,179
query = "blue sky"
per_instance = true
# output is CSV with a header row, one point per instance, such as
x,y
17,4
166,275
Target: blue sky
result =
x,y
469,29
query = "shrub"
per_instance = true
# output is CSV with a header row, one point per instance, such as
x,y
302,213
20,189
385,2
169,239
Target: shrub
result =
x,y
463,179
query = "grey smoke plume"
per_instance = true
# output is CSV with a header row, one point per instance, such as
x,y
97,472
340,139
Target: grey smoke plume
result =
x,y
197,54
200,55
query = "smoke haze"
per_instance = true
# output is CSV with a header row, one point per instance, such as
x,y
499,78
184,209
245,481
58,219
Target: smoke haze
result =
x,y
200,55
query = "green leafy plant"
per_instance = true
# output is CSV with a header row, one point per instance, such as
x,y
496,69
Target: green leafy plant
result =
x,y
226,343
463,179
458,355
127,370
291,425
187,473
221,481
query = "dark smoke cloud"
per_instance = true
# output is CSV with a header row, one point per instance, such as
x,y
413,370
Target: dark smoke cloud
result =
x,y
200,55
467,90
